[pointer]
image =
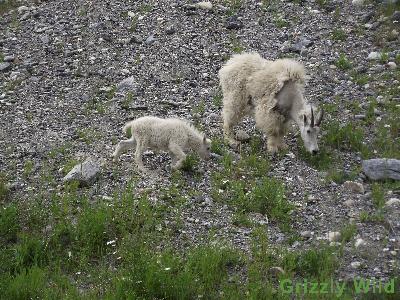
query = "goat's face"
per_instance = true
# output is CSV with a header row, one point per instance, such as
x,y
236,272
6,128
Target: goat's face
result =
x,y
310,130
205,149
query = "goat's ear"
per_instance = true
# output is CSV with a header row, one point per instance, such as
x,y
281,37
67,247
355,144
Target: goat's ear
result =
x,y
204,139
305,119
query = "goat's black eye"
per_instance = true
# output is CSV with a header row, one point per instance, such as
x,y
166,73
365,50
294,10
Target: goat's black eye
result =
x,y
308,131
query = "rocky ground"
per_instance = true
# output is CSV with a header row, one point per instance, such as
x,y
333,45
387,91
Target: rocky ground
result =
x,y
73,72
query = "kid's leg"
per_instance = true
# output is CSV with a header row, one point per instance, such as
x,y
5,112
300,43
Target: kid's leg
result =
x,y
179,156
123,146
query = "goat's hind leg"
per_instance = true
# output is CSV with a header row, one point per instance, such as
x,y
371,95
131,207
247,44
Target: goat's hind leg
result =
x,y
123,146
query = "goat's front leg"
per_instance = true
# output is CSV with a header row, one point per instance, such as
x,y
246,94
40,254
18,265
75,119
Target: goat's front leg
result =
x,y
123,146
178,156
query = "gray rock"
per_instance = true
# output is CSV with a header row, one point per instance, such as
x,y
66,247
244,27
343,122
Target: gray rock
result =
x,y
85,173
170,30
128,84
359,243
374,56
242,136
360,117
358,2
349,203
301,45
306,233
392,65
334,236
9,58
396,16
355,264
393,202
354,187
150,40
5,66
45,39
233,23
381,168
136,39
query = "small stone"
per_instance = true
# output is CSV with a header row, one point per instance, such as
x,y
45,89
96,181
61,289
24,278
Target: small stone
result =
x,y
393,202
306,234
358,2
45,39
5,66
136,39
335,244
360,117
150,40
394,253
396,16
204,5
128,84
392,65
359,243
374,56
233,23
355,264
354,187
242,136
334,236
349,203
22,9
170,30
9,58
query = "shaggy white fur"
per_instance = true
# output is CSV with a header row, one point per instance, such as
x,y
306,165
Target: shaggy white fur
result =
x,y
272,91
172,135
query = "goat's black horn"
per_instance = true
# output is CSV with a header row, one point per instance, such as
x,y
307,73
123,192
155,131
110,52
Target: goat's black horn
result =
x,y
312,117
321,115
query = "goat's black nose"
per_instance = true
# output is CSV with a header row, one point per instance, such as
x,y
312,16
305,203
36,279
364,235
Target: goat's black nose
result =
x,y
314,152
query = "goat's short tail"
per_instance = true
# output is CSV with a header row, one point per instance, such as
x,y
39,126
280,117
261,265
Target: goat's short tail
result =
x,y
126,128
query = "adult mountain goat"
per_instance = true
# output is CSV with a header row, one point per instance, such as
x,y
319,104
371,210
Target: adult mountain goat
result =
x,y
173,135
272,91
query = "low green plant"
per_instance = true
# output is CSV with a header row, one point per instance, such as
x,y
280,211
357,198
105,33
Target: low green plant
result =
x,y
241,219
377,195
218,146
280,22
347,137
92,230
339,34
340,176
348,232
28,168
237,47
343,62
69,164
126,103
233,6
6,6
217,100
190,163
9,223
4,191
200,108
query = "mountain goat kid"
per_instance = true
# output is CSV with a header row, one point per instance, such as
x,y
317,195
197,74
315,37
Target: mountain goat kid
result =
x,y
172,135
272,91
